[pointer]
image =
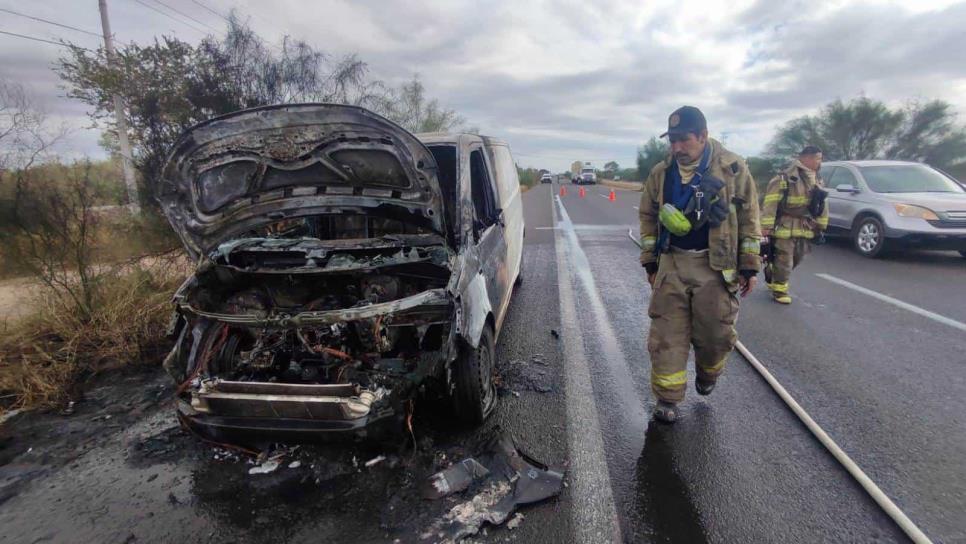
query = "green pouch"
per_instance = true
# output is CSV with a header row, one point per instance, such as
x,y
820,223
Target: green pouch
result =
x,y
674,220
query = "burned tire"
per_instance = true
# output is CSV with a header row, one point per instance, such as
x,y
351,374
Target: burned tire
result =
x,y
474,393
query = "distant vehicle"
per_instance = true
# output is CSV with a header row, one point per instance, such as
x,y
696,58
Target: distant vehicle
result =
x,y
588,176
546,178
385,266
883,205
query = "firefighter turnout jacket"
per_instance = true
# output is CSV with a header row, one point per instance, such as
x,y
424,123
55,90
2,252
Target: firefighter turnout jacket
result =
x,y
794,218
734,244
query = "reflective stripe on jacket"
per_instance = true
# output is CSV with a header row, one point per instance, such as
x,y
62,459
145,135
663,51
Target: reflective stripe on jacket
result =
x,y
734,244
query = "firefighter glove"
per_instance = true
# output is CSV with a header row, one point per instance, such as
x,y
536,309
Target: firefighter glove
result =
x,y
708,206
718,213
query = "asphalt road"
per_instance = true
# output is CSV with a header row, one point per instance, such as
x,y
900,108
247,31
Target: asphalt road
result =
x,y
884,381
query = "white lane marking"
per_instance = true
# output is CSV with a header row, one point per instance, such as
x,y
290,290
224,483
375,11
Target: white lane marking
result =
x,y
636,208
594,513
603,196
589,227
896,302
545,228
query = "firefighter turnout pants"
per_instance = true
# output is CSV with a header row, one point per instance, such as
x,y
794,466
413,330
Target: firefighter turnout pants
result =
x,y
691,305
788,254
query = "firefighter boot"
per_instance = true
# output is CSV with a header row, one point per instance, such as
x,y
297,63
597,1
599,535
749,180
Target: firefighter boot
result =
x,y
779,293
666,412
704,387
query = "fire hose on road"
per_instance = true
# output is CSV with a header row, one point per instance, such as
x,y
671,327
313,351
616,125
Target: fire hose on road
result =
x,y
870,487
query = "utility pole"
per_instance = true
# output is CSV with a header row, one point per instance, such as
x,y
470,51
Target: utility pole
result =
x,y
120,119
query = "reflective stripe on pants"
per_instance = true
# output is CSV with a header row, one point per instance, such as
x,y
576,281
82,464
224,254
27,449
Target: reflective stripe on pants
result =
x,y
691,305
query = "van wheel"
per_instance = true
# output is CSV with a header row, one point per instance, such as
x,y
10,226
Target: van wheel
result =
x,y
868,237
474,393
519,281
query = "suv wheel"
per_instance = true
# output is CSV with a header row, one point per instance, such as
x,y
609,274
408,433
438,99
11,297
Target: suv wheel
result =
x,y
474,393
868,237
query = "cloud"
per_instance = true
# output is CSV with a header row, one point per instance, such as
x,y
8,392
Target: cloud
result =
x,y
563,80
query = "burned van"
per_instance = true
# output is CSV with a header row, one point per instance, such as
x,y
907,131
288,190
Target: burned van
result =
x,y
343,266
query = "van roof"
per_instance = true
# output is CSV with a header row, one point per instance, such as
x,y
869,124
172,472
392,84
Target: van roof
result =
x,y
430,138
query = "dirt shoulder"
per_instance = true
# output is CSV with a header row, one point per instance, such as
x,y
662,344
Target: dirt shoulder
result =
x,y
626,185
17,297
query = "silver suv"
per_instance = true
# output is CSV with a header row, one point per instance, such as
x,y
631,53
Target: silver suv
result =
x,y
888,204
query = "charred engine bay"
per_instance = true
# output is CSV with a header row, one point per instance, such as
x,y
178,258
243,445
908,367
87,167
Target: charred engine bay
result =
x,y
362,318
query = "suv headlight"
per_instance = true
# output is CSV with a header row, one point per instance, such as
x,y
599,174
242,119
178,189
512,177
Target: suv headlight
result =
x,y
908,210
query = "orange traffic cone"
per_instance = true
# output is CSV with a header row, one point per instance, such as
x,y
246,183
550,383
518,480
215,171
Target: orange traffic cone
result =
x,y
583,192
563,190
613,196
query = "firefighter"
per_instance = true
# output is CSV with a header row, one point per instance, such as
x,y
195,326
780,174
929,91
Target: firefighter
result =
x,y
700,247
794,213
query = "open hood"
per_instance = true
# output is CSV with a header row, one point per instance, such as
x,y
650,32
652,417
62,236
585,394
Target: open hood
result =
x,y
232,174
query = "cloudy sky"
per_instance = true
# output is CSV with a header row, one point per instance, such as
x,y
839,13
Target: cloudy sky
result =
x,y
563,80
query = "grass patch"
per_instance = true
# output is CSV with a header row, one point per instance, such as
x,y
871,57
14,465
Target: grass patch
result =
x,y
46,356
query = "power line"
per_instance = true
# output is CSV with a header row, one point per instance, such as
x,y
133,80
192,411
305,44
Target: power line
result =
x,y
183,14
62,44
197,2
169,16
12,12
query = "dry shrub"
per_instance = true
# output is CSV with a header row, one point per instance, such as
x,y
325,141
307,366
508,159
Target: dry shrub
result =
x,y
44,357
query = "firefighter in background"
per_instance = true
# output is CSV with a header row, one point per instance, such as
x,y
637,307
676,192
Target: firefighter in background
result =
x,y
699,245
794,213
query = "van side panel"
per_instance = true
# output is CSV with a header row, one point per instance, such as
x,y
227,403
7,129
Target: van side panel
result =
x,y
508,185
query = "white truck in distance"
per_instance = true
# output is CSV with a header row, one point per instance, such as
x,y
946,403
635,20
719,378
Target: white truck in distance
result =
x,y
587,175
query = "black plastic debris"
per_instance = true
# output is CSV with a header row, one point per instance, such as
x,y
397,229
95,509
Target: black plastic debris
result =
x,y
503,479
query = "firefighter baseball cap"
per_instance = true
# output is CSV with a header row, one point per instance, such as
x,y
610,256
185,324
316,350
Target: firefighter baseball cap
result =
x,y
684,120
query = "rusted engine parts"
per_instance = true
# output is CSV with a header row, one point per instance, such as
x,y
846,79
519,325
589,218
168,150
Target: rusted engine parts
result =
x,y
330,346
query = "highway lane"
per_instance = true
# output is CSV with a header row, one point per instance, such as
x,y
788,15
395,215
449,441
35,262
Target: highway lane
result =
x,y
886,383
738,467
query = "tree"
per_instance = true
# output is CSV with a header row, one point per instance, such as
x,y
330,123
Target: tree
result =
x,y
867,129
410,108
170,85
652,152
25,135
610,169
528,176
52,232
628,174
26,140
762,169
929,134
